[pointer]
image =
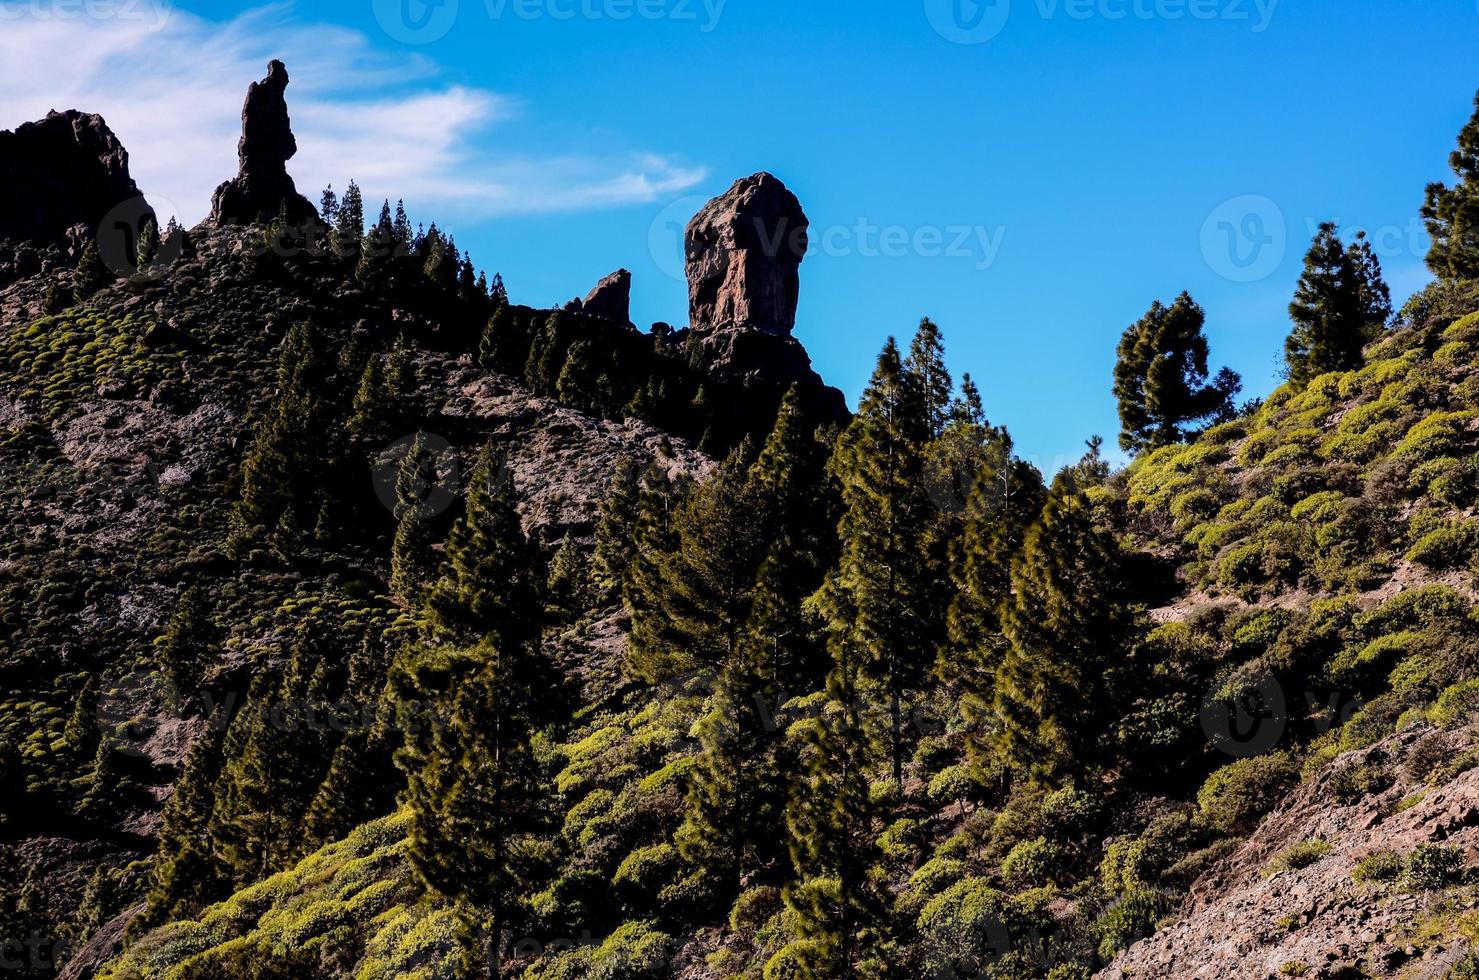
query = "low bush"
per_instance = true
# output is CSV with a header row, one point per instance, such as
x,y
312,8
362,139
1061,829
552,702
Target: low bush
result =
x,y
1379,866
1236,797
1434,866
1297,856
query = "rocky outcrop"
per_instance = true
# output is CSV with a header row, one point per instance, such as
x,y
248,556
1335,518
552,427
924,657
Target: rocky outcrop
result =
x,y
743,254
611,298
1243,921
59,178
262,187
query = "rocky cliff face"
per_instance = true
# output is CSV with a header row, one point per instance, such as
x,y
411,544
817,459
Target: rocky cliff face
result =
x,y
59,178
1253,917
262,187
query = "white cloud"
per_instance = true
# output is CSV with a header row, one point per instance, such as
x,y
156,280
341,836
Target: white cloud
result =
x,y
171,84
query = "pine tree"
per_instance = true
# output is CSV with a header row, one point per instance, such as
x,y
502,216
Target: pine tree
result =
x,y
474,787
1068,623
401,231
362,781
1452,214
926,371
81,732
328,206
577,385
148,245
878,601
838,900
968,408
376,252
104,787
277,474
486,585
497,294
568,592
91,274
1340,305
379,399
697,613
1160,378
1004,501
737,789
185,879
349,223
615,532
497,346
412,558
188,645
276,758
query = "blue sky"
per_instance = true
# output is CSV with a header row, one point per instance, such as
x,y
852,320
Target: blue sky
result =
x,y
1031,191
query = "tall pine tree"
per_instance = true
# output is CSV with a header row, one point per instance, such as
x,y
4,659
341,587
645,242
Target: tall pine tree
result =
x,y
1452,213
1340,305
1068,622
1160,378
878,599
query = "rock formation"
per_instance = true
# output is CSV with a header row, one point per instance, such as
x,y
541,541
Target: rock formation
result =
x,y
611,298
59,177
262,187
743,253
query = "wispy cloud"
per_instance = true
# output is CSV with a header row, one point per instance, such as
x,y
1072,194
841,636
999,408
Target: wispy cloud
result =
x,y
171,84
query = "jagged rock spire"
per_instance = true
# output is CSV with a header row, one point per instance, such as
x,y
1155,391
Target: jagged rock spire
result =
x,y
262,187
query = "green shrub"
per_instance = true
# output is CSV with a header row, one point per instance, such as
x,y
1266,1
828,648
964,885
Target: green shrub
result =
x,y
1130,919
1450,771
1440,434
646,870
1466,968
1383,865
1351,783
1457,704
965,928
1032,864
1236,797
1451,546
1434,866
954,785
1297,856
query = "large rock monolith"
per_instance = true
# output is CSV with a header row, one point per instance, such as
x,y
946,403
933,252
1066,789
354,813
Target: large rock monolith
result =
x,y
262,188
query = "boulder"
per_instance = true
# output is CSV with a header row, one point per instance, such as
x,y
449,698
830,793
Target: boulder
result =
x,y
611,298
262,188
743,253
59,178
